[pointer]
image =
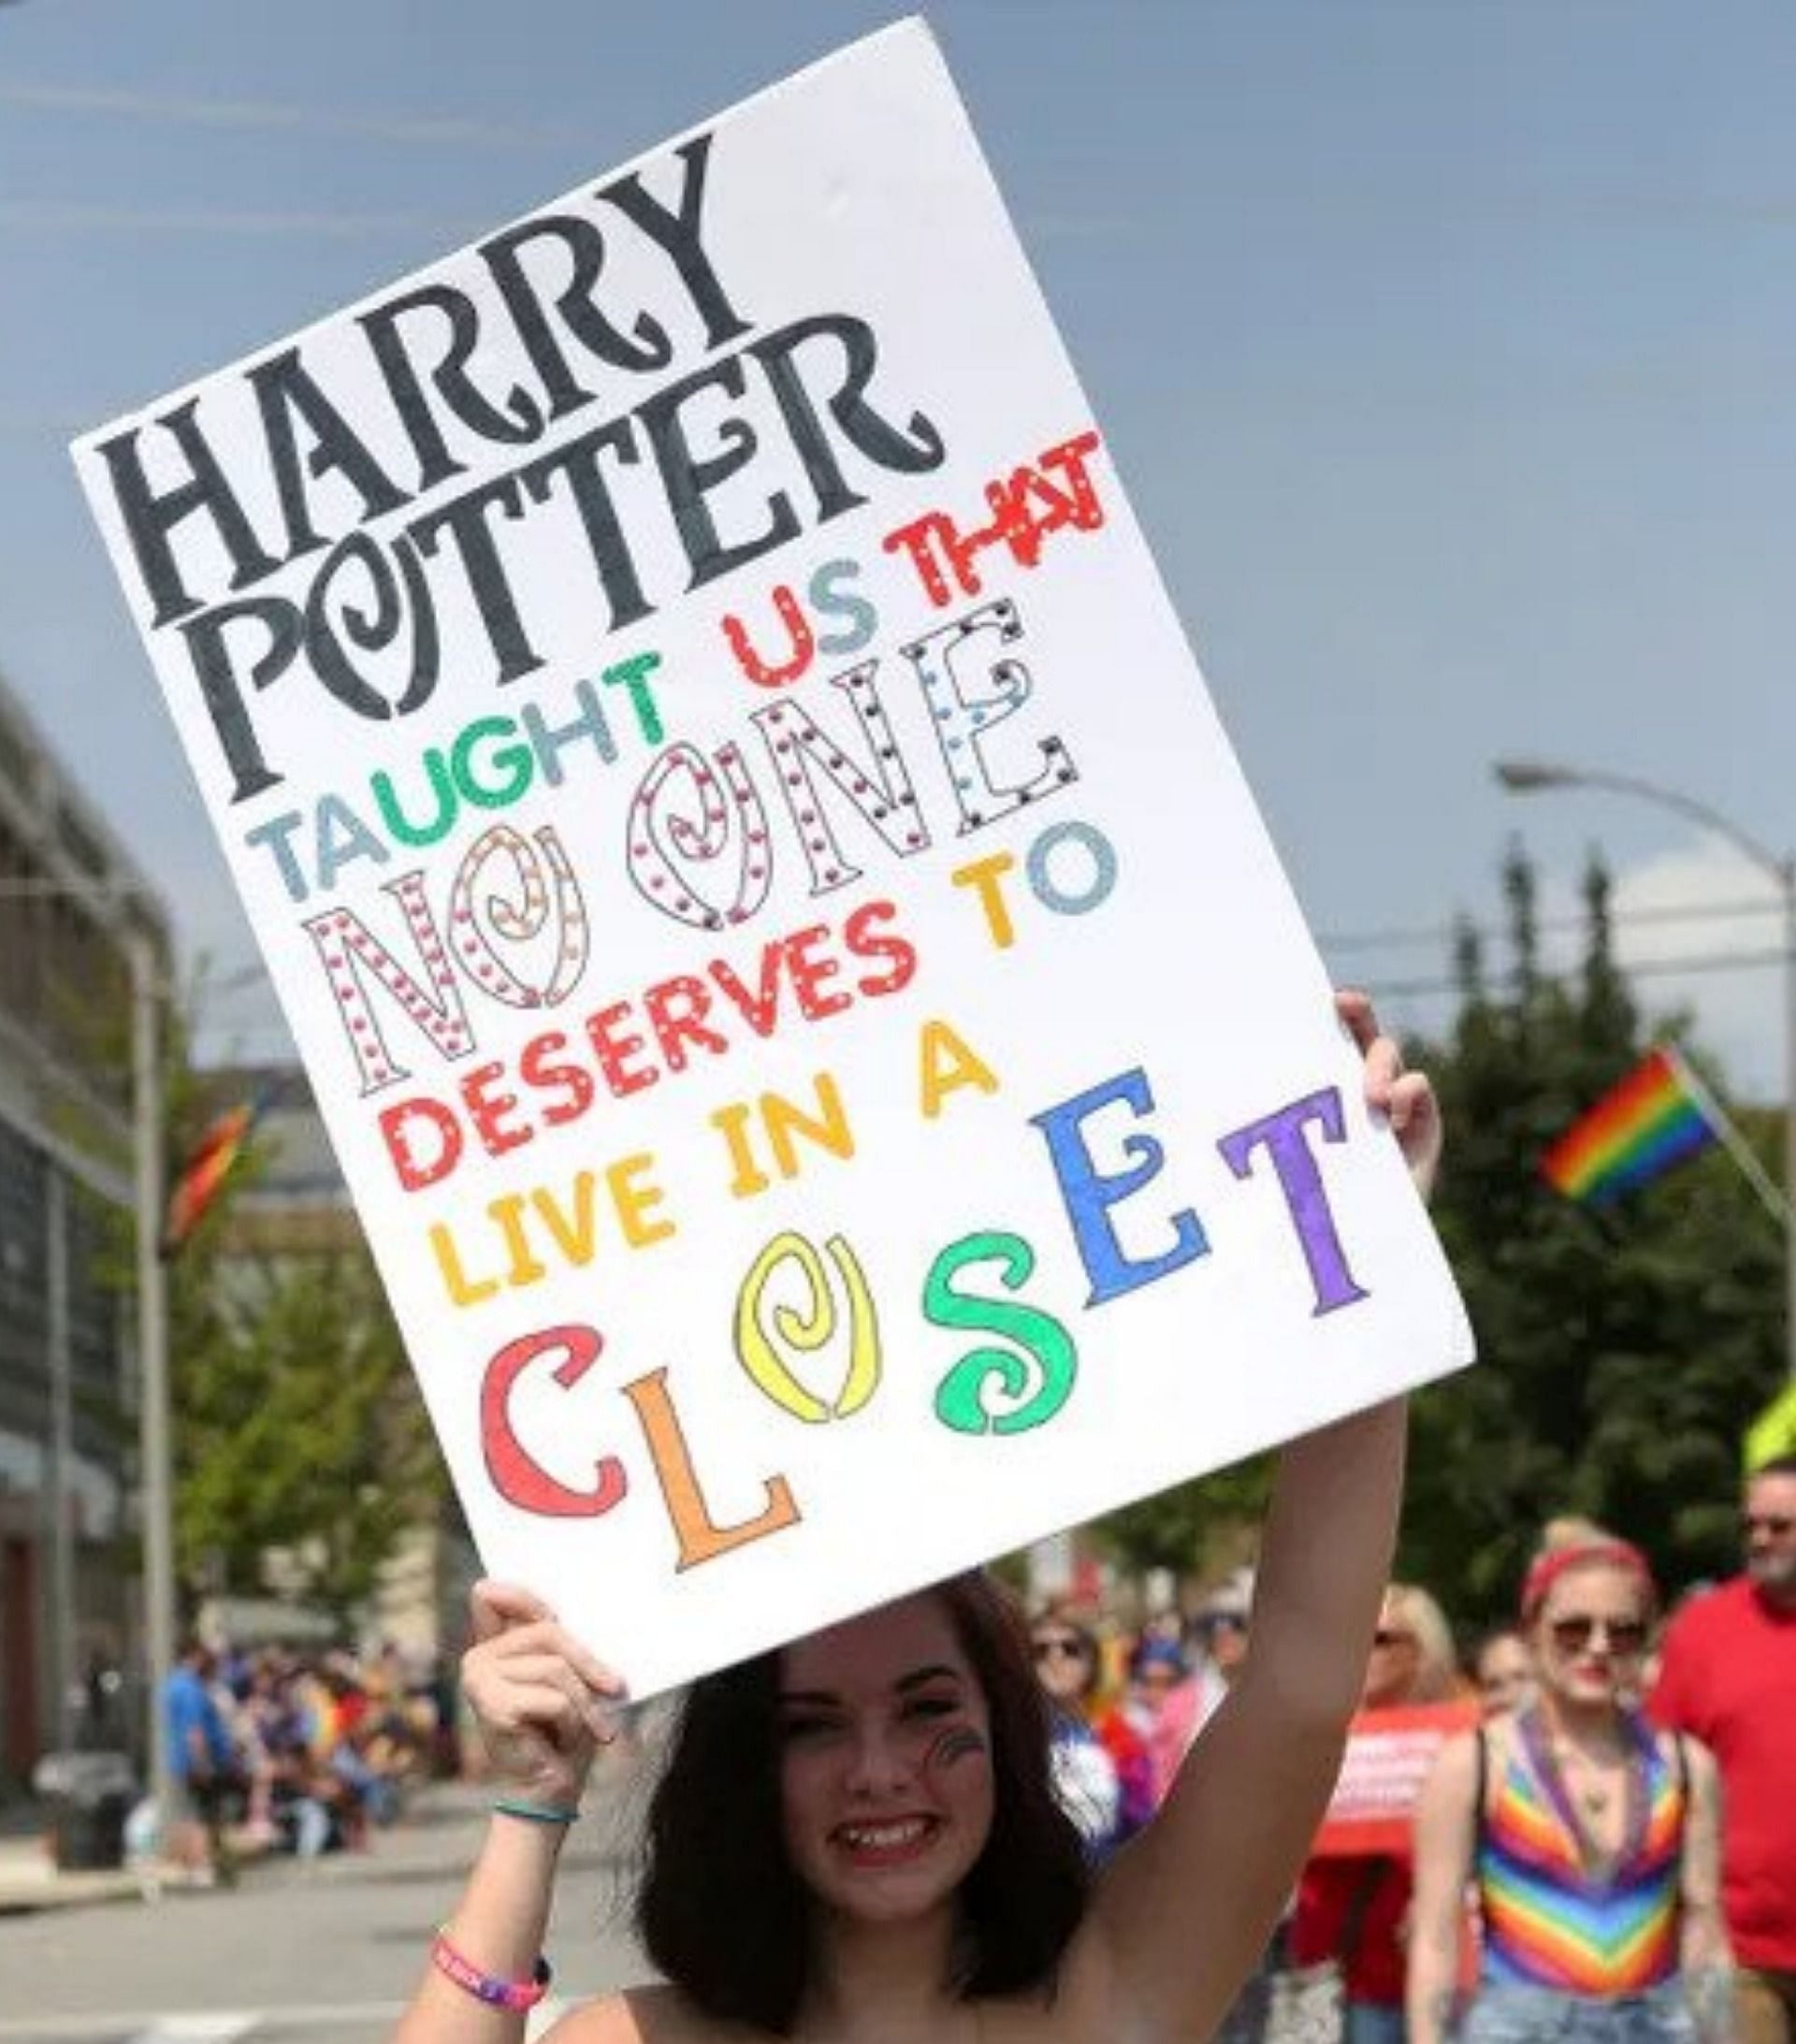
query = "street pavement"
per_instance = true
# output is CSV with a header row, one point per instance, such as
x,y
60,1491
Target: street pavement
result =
x,y
319,1953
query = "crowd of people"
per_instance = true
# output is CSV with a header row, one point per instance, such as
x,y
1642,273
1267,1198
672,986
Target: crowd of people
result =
x,y
303,1754
1607,1849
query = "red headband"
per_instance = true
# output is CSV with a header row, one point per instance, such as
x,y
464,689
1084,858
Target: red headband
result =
x,y
1613,1554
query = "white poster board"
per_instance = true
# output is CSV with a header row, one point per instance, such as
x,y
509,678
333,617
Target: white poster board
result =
x,y
834,1076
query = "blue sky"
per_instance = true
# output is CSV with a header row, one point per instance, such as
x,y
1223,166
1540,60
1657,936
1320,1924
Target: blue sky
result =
x,y
1448,352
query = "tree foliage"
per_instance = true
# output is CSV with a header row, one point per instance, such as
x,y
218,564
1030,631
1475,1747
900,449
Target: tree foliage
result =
x,y
300,1427
1622,1352
297,1426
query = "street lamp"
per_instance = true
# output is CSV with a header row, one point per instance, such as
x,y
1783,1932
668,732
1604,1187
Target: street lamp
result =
x,y
1532,776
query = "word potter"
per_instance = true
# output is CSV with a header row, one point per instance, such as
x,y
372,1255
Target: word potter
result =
x,y
463,371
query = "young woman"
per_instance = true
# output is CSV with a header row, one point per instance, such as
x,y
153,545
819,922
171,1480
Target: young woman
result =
x,y
1591,1841
1102,1771
1354,1909
856,1839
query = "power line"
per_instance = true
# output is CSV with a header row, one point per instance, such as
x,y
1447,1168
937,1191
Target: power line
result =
x,y
1649,969
1417,935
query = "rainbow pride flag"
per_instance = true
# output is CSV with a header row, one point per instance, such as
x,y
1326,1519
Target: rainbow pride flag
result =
x,y
1652,1119
205,1172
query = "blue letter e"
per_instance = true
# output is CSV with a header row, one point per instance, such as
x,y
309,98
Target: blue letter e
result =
x,y
1090,1194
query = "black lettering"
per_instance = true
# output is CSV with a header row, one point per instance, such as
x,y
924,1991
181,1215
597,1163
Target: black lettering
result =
x,y
520,422
650,350
285,390
687,478
678,234
465,521
577,460
912,451
218,683
151,515
372,632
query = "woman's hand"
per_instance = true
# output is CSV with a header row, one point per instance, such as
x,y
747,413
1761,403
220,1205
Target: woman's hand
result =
x,y
1406,1099
543,1703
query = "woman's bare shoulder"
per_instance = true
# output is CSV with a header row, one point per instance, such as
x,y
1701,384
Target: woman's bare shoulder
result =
x,y
643,2015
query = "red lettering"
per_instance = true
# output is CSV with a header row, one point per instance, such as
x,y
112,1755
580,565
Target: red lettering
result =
x,y
414,1174
676,1010
809,973
487,1111
798,632
857,935
518,1477
614,1050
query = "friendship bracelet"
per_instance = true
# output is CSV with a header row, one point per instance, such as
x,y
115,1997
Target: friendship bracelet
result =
x,y
536,1813
495,1994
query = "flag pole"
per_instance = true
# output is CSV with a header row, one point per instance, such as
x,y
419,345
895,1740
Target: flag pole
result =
x,y
1734,1143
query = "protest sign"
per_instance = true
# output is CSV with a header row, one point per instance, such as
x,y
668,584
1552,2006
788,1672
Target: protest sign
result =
x,y
835,1079
1389,1756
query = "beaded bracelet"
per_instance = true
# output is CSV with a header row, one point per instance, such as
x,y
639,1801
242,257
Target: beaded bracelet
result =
x,y
495,1994
536,1813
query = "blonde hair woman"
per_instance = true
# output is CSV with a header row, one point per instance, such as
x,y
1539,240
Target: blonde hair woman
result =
x,y
1590,1840
1352,1910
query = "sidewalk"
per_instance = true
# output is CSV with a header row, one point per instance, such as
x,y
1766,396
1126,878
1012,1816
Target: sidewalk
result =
x,y
30,1880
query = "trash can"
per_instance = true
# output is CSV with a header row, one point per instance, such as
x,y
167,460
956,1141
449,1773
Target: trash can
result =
x,y
89,1796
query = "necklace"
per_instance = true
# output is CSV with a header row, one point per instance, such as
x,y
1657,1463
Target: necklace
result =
x,y
1578,1812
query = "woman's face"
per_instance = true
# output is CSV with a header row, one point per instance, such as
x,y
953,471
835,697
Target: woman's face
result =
x,y
1591,1635
885,1762
1395,1660
1505,1675
1063,1659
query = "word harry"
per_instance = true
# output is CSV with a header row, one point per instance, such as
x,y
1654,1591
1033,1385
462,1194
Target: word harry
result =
x,y
1018,1379
465,370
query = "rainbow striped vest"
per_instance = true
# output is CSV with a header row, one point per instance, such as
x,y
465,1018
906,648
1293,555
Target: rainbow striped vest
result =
x,y
1548,1921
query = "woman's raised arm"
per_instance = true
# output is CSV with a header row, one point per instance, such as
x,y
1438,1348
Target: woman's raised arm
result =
x,y
1183,1914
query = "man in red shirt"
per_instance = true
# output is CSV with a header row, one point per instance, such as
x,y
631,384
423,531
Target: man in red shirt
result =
x,y
1729,1676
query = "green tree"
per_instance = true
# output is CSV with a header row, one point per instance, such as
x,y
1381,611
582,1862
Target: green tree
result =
x,y
1623,1351
300,1428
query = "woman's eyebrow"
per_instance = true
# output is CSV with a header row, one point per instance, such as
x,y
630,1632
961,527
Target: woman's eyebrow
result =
x,y
808,1699
918,1677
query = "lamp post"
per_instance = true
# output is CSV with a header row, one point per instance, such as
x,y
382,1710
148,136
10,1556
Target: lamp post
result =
x,y
1532,776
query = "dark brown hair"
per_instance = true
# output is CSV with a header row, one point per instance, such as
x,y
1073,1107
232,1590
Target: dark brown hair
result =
x,y
724,1915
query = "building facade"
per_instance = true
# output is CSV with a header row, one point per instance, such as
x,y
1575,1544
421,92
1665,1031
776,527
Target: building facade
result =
x,y
71,903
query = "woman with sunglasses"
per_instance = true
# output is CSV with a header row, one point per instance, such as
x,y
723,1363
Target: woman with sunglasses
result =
x,y
1102,1771
1590,1840
1353,1908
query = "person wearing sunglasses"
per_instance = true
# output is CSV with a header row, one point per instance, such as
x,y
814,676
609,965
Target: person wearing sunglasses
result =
x,y
1587,1837
1353,1908
1728,1674
1102,1771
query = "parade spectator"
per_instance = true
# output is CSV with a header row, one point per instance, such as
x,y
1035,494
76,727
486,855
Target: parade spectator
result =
x,y
1085,1775
1157,1711
856,1834
1353,1908
202,1766
1588,1838
1728,1674
1117,1772
1503,1671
